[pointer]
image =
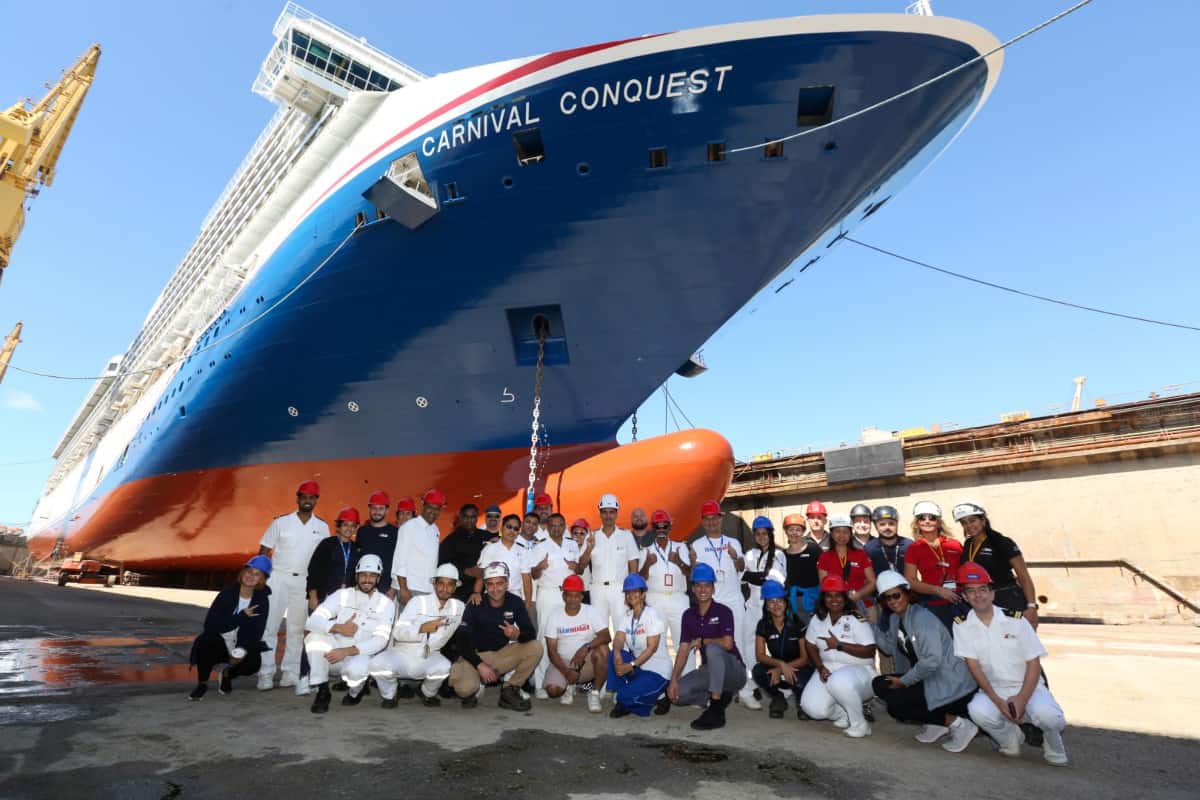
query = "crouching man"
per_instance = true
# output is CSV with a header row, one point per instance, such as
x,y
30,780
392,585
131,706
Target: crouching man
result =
x,y
427,623
577,641
345,631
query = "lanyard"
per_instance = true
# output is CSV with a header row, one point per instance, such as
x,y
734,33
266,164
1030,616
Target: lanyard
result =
x,y
973,551
894,557
663,556
718,552
841,560
345,558
937,548
633,625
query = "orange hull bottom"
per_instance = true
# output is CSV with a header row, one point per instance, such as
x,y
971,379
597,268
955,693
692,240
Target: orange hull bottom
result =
x,y
213,519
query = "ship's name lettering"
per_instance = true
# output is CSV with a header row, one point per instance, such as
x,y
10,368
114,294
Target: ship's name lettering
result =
x,y
480,127
651,87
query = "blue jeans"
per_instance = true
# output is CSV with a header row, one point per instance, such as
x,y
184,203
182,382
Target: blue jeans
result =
x,y
639,690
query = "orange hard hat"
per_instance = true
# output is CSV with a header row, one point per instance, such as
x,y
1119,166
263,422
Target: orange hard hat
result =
x,y
793,519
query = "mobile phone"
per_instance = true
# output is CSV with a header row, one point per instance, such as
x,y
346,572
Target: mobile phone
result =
x,y
1012,710
508,617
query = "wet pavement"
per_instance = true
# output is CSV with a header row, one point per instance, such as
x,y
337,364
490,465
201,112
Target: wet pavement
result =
x,y
92,689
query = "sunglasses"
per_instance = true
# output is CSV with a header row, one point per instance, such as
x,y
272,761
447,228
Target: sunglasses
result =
x,y
926,517
512,527
662,527
890,596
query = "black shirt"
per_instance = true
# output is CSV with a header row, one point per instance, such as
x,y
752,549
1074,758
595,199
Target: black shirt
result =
x,y
480,629
332,566
381,542
802,566
785,644
995,554
887,556
462,548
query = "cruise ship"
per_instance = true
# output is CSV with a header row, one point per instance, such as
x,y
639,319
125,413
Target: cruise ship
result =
x,y
472,280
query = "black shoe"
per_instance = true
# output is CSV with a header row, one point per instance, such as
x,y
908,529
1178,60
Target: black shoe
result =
x,y
339,686
198,692
429,701
406,692
1033,734
446,691
712,718
662,706
389,702
320,703
510,698
726,699
777,707
800,715
226,682
470,702
528,688
618,711
868,712
352,699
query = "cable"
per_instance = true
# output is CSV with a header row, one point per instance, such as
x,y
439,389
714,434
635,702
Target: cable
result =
x,y
1020,292
920,86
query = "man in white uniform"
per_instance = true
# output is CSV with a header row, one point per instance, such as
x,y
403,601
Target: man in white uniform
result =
x,y
577,640
1004,656
289,541
665,566
417,550
351,626
553,559
614,555
428,622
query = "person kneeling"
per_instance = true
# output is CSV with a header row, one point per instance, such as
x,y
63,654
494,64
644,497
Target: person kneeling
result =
x,y
577,643
708,629
841,647
345,631
1004,656
639,662
427,623
233,629
782,660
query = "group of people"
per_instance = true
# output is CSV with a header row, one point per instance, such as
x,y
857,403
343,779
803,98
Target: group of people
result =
x,y
547,611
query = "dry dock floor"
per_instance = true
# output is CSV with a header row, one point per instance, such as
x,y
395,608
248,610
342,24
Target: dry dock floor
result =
x,y
92,686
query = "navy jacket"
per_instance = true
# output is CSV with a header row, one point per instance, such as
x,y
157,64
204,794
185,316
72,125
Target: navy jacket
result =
x,y
222,617
329,569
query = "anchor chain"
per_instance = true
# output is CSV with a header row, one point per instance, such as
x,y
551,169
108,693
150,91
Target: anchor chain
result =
x,y
635,425
537,414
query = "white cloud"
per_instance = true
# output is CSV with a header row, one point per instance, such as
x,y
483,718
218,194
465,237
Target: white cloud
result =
x,y
21,401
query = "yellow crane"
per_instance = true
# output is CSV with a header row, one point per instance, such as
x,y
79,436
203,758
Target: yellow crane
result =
x,y
31,139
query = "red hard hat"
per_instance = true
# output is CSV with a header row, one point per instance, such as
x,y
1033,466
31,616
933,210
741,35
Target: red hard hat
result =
x,y
349,514
407,504
581,523
572,583
434,498
379,499
834,583
659,517
971,574
543,499
816,509
309,487
710,508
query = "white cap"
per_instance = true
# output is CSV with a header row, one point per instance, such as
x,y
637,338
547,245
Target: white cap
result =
x,y
888,580
446,571
370,563
927,507
496,569
964,510
609,501
840,521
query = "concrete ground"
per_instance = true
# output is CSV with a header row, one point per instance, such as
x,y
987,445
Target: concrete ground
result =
x,y
92,703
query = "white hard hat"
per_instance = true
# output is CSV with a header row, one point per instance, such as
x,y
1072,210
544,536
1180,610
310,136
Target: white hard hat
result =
x,y
609,501
888,580
927,507
964,510
446,571
840,521
370,563
496,569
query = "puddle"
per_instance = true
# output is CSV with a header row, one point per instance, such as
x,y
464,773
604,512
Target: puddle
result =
x,y
690,753
39,666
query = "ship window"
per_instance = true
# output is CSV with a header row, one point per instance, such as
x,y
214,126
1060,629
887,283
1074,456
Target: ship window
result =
x,y
871,209
360,219
773,150
380,214
183,411
658,157
378,81
716,151
528,146
299,43
452,191
814,106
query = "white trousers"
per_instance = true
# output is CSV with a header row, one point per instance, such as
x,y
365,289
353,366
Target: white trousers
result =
x,y
1042,710
354,670
610,602
750,619
848,687
287,595
392,666
547,604
671,607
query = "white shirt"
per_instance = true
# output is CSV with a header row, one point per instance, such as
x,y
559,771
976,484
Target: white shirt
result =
x,y
557,570
515,558
372,613
292,542
710,551
611,556
756,561
406,633
416,554
637,637
664,577
571,633
1002,648
849,629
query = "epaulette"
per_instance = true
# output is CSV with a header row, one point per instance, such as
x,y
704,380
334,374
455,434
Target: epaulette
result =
x,y
1015,614
957,620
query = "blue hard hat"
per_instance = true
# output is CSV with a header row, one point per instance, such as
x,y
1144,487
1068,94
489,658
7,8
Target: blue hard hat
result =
x,y
703,573
633,582
260,563
762,522
773,590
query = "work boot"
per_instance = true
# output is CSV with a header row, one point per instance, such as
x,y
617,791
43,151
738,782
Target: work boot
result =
x,y
389,703
428,701
662,706
352,699
777,707
712,718
510,698
226,685
198,692
320,703
727,699
618,711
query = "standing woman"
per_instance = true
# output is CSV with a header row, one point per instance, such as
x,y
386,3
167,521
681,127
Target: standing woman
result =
x,y
801,558
931,563
846,559
1001,558
638,665
764,562
233,629
841,648
932,685
781,661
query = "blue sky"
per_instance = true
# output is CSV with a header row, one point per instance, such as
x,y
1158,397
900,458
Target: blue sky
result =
x,y
1076,181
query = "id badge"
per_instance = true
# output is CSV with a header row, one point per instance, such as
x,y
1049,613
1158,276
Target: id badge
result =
x,y
668,580
951,585
720,576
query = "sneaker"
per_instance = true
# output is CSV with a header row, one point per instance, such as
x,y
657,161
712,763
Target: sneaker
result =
x,y
568,696
428,701
594,703
226,685
302,687
287,680
1053,749
352,699
510,698
746,697
1011,745
712,718
389,703
662,706
859,731
840,718
320,703
265,682
777,707
962,731
931,733
540,694
198,692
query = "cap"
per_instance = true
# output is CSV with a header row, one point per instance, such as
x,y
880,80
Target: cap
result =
x,y
572,583
972,574
379,499
773,590
927,507
434,498
816,509
660,517
447,571
840,521
888,580
581,523
762,522
964,510
349,514
609,501
543,499
309,487
496,569
885,512
794,519
492,509
406,504
633,582
370,563
260,563
834,583
703,573
710,508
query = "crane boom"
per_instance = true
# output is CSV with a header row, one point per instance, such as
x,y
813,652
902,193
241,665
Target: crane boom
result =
x,y
31,140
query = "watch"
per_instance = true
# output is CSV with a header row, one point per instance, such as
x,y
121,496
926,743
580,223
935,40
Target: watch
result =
x,y
1031,605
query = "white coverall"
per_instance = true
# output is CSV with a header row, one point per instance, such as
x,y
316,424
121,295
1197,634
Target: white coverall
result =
x,y
291,543
372,613
849,684
756,561
414,655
